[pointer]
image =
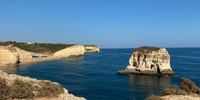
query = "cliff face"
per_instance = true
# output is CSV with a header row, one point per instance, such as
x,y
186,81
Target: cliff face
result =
x,y
91,48
153,62
12,55
75,50
23,54
8,55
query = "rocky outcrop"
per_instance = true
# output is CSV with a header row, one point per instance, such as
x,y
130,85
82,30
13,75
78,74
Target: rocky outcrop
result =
x,y
23,54
180,97
8,55
36,83
150,61
75,50
26,55
91,48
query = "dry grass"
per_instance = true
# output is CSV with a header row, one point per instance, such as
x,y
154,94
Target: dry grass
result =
x,y
188,86
172,90
21,90
25,90
4,90
49,90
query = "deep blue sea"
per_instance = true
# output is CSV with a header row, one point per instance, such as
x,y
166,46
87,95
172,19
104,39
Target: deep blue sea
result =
x,y
94,76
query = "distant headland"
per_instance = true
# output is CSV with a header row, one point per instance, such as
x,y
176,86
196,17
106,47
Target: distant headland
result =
x,y
12,53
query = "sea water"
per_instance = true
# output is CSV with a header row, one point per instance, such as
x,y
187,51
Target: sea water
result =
x,y
94,76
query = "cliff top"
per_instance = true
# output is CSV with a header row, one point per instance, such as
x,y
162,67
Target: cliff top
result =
x,y
38,47
146,48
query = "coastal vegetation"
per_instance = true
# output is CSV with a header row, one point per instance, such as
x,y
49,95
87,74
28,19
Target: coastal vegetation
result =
x,y
187,87
26,90
146,48
38,47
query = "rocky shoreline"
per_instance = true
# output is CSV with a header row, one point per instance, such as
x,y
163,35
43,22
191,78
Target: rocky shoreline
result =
x,y
12,56
34,82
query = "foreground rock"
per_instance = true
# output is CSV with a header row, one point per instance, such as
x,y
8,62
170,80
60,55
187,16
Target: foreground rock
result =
x,y
37,83
149,61
91,48
180,97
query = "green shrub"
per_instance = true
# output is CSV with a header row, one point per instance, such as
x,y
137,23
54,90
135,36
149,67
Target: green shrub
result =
x,y
188,86
168,91
154,97
21,90
4,90
38,47
147,48
172,90
50,90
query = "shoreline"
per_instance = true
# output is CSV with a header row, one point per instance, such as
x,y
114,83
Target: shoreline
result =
x,y
171,73
32,61
63,95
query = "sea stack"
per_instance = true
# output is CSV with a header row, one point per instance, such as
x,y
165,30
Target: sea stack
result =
x,y
149,61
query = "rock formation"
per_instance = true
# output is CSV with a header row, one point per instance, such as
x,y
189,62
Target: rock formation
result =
x,y
75,50
91,48
149,60
12,55
26,55
8,55
34,82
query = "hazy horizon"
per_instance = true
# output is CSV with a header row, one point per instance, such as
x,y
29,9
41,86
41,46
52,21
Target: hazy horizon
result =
x,y
105,23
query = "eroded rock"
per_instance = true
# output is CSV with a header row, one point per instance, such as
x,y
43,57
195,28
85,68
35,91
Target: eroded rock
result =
x,y
149,60
8,55
91,48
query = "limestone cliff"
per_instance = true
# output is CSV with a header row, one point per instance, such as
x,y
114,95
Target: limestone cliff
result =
x,y
12,55
26,55
8,55
149,60
75,50
23,54
91,48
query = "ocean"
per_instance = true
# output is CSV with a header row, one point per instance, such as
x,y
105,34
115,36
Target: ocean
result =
x,y
94,75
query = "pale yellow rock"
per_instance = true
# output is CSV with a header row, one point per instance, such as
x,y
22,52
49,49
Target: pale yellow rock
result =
x,y
72,50
91,48
24,54
8,55
149,62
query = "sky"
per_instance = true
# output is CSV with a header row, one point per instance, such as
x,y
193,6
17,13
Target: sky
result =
x,y
105,23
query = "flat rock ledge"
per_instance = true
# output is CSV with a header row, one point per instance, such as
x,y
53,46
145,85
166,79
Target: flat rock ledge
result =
x,y
169,72
180,97
149,61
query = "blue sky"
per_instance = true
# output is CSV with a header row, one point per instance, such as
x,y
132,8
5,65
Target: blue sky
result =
x,y
106,23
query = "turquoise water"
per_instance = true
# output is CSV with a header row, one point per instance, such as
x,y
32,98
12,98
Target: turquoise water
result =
x,y
94,76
